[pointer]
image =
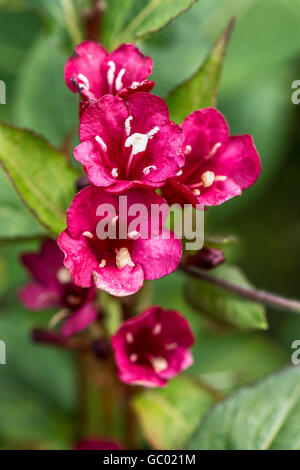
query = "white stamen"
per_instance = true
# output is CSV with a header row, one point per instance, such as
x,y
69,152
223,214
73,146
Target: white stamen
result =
x,y
171,346
88,234
159,364
128,125
179,173
63,276
89,56
58,317
153,131
187,150
115,172
85,83
134,85
133,234
118,82
129,338
101,143
114,220
139,141
147,169
214,149
207,178
102,264
111,72
157,329
196,192
96,277
133,357
220,178
123,258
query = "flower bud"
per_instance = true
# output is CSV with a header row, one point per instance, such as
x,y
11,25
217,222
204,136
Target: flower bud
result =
x,y
207,258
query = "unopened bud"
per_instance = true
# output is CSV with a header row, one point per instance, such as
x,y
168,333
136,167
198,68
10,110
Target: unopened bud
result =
x,y
207,258
100,348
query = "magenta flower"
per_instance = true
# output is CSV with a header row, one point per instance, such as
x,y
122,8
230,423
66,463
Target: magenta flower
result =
x,y
217,166
117,266
94,443
153,347
94,72
129,144
52,287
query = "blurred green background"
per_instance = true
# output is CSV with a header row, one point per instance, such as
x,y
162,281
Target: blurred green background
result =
x,y
37,386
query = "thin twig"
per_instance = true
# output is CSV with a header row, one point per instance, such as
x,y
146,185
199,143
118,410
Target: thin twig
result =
x,y
266,298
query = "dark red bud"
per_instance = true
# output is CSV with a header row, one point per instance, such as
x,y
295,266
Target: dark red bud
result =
x,y
101,349
44,336
207,258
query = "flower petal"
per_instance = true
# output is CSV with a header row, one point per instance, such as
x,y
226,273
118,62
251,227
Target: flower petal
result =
x,y
105,118
119,282
90,155
203,129
239,161
130,66
36,296
145,85
79,319
84,68
44,265
81,215
79,259
158,257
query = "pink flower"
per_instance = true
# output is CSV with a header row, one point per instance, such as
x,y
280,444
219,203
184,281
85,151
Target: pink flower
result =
x,y
52,287
129,144
217,166
94,72
94,443
153,347
117,266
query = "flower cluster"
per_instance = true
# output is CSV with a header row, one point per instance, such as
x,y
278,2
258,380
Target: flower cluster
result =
x,y
130,147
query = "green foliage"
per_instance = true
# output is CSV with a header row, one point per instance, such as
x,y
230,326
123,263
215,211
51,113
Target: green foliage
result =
x,y
16,221
229,360
133,19
168,416
37,383
264,416
43,102
222,306
201,89
40,174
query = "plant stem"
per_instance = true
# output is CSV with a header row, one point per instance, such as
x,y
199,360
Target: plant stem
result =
x,y
82,396
264,297
92,20
130,428
71,21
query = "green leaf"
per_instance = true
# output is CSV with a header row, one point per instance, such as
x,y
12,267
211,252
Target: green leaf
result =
x,y
219,241
43,103
201,89
40,174
223,306
135,20
236,359
29,419
168,416
265,416
16,221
